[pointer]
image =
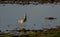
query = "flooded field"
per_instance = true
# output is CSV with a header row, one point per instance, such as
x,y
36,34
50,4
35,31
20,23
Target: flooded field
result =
x,y
38,16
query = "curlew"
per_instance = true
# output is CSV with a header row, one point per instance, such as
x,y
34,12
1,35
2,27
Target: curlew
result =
x,y
22,20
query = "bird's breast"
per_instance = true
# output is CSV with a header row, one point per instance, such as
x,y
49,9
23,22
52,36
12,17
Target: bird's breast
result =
x,y
20,21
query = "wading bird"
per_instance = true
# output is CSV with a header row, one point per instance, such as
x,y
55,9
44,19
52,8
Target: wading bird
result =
x,y
22,20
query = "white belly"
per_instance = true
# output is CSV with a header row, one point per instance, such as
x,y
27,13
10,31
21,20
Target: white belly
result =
x,y
20,21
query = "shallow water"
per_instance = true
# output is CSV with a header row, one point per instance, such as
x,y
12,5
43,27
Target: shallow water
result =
x,y
9,14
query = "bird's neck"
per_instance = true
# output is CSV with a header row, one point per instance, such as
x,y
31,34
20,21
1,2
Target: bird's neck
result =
x,y
25,15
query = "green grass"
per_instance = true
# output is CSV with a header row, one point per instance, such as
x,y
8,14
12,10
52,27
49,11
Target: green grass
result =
x,y
49,33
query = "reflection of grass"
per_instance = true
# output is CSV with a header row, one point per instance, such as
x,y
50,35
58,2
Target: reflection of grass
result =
x,y
49,33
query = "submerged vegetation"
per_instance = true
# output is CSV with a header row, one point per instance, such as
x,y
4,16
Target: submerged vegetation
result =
x,y
53,32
